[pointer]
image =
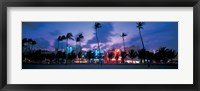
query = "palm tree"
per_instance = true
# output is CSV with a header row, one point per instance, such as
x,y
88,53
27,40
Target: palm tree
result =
x,y
123,55
164,54
72,56
97,26
140,26
171,54
68,36
161,54
132,54
81,37
149,56
123,35
141,54
77,40
59,39
29,44
90,55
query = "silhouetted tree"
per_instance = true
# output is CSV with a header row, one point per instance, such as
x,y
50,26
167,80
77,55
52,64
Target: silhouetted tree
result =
x,y
50,56
72,56
132,54
171,54
161,55
149,56
67,37
37,56
30,40
97,26
90,55
59,55
111,55
28,44
81,37
141,54
123,35
123,55
140,26
80,54
77,40
164,54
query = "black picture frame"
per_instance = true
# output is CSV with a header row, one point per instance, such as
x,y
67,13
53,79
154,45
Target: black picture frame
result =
x,y
100,3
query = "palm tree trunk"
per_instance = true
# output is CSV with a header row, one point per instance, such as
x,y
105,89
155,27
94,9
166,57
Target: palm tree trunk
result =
x,y
98,45
80,46
123,43
76,48
141,38
66,44
66,51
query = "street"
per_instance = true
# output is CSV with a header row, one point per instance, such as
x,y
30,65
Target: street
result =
x,y
99,66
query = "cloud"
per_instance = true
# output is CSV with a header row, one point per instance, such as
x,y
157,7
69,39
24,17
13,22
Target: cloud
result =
x,y
104,34
155,34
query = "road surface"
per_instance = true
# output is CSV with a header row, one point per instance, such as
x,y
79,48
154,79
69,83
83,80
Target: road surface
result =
x,y
98,66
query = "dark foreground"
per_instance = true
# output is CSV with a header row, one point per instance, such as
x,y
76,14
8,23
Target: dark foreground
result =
x,y
99,66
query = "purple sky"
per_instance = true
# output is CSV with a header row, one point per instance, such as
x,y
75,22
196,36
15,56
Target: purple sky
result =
x,y
155,34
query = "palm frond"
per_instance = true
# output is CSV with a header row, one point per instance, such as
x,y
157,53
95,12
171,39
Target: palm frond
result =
x,y
140,25
97,25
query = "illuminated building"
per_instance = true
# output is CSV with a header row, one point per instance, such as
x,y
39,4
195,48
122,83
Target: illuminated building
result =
x,y
75,48
116,57
69,49
98,55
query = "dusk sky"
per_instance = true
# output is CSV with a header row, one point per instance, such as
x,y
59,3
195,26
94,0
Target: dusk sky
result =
x,y
154,34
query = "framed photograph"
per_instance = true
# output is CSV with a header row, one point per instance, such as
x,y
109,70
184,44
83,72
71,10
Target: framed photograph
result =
x,y
91,45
